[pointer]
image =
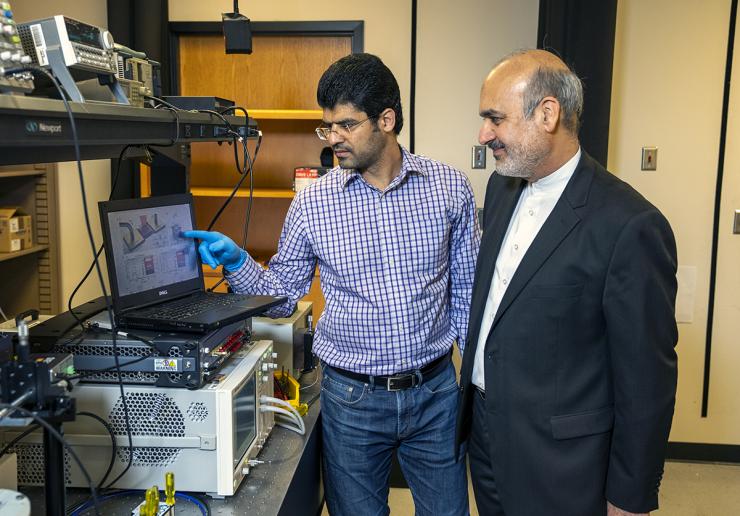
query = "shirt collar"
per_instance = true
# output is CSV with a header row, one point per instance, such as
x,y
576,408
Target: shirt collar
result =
x,y
409,163
558,179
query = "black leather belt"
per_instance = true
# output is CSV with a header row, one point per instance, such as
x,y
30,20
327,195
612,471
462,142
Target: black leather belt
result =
x,y
401,381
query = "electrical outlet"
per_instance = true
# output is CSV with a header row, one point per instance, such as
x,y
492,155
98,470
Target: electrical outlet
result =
x,y
479,156
649,158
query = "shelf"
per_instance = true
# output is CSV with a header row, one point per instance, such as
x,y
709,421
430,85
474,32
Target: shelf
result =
x,y
103,129
215,191
24,252
22,173
286,114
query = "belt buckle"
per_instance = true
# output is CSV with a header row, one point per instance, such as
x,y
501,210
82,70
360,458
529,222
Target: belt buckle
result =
x,y
393,381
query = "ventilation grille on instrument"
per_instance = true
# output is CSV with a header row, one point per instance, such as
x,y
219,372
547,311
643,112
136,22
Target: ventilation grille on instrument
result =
x,y
24,31
174,352
149,457
126,376
197,411
31,464
150,413
104,351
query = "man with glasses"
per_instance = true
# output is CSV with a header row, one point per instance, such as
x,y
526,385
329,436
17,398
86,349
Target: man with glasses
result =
x,y
396,239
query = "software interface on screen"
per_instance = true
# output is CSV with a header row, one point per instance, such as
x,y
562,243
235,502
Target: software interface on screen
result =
x,y
148,250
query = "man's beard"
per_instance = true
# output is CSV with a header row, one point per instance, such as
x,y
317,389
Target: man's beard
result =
x,y
364,159
521,159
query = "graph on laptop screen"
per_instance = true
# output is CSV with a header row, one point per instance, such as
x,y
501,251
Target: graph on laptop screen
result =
x,y
149,251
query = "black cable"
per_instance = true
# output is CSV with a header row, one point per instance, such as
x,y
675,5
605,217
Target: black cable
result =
x,y
88,226
249,171
18,438
248,214
114,446
100,250
248,161
246,131
229,127
53,432
162,102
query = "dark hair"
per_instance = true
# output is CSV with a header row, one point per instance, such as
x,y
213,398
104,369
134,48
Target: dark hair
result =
x,y
564,85
363,81
561,83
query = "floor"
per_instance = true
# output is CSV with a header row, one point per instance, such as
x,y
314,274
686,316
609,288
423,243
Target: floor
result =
x,y
688,489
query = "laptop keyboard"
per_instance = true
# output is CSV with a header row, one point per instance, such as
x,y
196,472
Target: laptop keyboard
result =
x,y
190,307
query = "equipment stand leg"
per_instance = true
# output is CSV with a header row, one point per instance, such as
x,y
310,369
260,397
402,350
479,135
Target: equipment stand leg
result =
x,y
55,481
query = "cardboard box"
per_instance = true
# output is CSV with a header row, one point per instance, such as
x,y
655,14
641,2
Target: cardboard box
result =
x,y
16,232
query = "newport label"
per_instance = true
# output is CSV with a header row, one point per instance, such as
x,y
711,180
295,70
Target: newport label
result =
x,y
43,128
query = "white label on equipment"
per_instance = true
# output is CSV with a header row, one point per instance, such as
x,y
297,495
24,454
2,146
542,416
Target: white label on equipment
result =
x,y
40,43
166,365
15,244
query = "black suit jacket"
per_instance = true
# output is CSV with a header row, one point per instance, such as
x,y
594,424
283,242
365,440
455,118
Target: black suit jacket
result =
x,y
580,366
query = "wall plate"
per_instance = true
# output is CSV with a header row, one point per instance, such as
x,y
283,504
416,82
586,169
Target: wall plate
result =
x,y
478,159
649,158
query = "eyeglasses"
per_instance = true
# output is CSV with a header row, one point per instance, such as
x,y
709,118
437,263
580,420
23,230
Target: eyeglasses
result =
x,y
343,129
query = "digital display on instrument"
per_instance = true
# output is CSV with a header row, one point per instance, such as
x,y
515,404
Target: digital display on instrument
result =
x,y
245,418
83,33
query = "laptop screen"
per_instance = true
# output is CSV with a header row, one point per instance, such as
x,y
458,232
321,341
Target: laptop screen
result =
x,y
151,261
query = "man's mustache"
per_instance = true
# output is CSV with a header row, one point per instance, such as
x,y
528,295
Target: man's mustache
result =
x,y
495,145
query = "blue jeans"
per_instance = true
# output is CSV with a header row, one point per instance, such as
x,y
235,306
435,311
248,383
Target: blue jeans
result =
x,y
362,425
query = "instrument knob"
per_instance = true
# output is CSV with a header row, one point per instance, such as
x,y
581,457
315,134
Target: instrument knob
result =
x,y
106,39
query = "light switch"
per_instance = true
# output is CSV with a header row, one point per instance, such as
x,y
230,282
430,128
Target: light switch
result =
x,y
649,158
479,156
736,224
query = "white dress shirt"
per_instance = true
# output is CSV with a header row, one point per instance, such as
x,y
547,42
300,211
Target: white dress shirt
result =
x,y
535,204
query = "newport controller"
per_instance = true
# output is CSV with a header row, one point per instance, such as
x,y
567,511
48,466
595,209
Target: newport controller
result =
x,y
63,44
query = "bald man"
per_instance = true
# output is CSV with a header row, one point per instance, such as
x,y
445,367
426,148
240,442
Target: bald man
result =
x,y
569,375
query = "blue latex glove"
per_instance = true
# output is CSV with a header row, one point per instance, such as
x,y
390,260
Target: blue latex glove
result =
x,y
217,249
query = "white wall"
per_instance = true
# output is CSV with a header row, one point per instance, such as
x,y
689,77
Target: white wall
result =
x,y
75,253
669,67
457,45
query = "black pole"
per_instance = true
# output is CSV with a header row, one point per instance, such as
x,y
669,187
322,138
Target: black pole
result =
x,y
412,97
717,206
54,488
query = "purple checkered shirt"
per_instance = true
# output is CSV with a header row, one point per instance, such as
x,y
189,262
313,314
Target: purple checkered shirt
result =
x,y
396,266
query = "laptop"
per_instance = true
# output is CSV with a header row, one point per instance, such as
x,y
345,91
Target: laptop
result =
x,y
155,273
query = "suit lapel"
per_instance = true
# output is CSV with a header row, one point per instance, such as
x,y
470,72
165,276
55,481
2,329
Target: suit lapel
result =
x,y
502,205
558,225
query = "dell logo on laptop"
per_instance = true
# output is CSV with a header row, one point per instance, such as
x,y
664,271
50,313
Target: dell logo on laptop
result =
x,y
162,292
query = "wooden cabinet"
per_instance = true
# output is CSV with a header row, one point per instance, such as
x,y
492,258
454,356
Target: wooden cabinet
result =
x,y
29,278
277,85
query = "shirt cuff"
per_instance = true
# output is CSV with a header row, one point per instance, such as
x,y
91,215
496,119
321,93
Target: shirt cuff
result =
x,y
245,276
